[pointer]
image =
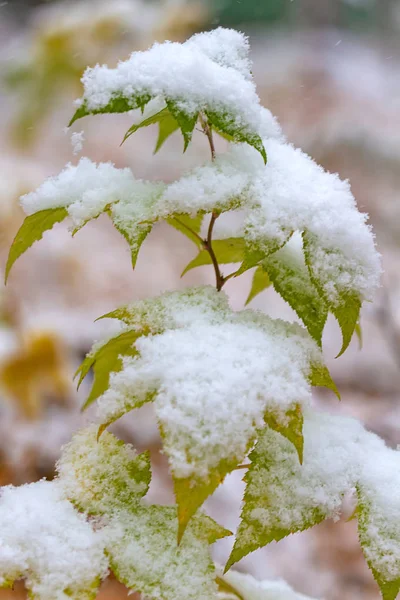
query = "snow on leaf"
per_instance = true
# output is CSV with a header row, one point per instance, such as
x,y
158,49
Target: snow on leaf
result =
x,y
340,456
378,513
198,387
246,587
226,124
227,251
348,305
86,190
45,541
100,476
190,79
283,496
135,236
289,274
31,231
292,193
108,478
261,282
144,554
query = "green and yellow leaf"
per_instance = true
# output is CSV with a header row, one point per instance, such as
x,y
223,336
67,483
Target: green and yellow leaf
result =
x,y
32,230
230,250
105,360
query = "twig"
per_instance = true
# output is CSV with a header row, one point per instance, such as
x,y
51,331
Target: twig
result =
x,y
208,132
208,246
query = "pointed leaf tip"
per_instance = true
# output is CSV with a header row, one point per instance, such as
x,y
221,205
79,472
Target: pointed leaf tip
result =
x,y
32,230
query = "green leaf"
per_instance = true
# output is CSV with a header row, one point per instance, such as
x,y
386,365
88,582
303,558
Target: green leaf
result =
x,y
187,225
108,478
136,238
291,279
283,496
347,315
227,124
347,310
261,282
254,255
186,122
230,250
359,334
145,557
191,492
320,377
101,476
379,537
31,231
290,425
252,258
107,359
167,126
118,104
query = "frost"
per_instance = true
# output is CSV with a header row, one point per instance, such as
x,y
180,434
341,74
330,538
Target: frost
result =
x,y
252,589
211,397
44,540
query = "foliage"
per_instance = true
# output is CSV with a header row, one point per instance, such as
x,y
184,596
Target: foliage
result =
x,y
226,386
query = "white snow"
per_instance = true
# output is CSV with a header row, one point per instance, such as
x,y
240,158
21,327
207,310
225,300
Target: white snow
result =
x,y
102,474
291,193
46,541
77,139
214,379
87,189
294,193
251,589
340,456
209,71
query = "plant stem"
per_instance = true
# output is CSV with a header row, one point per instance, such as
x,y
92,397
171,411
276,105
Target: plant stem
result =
x,y
208,246
241,467
208,132
207,243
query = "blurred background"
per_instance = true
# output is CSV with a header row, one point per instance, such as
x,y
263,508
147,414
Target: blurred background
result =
x,y
330,71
